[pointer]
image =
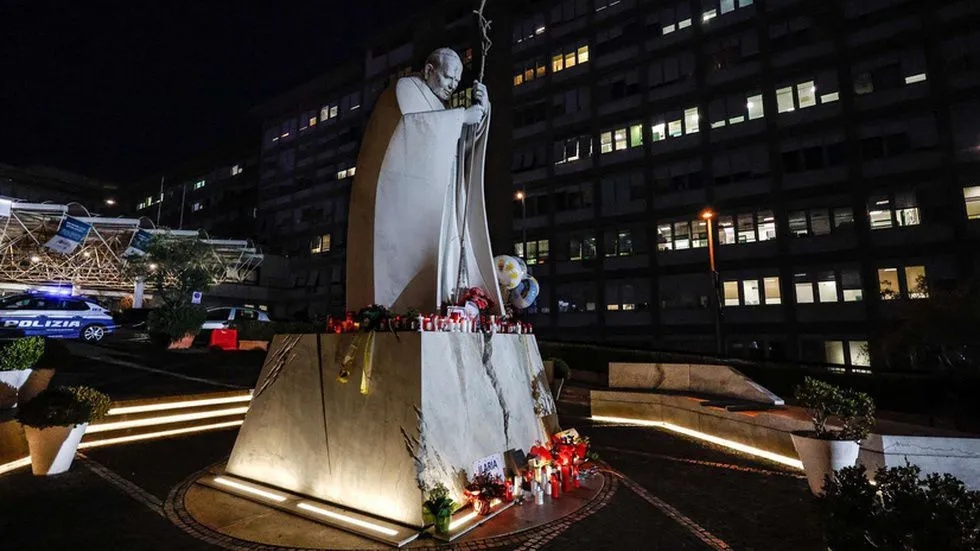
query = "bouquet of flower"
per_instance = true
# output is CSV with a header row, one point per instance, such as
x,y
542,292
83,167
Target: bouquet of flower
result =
x,y
374,318
479,298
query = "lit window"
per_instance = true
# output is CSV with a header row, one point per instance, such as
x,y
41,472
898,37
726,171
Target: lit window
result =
x,y
912,79
851,285
537,251
709,15
636,135
727,6
691,120
674,128
320,244
197,206
971,196
754,107
730,289
827,98
518,79
236,170
581,248
665,237
312,121
915,280
888,286
784,99
860,354
804,289
834,352
669,28
557,63
583,54
569,60
827,288
883,212
605,142
684,23
766,224
333,111
199,184
658,132
806,93
771,285
750,292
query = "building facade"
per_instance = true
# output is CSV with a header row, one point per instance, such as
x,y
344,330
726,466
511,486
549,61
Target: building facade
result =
x,y
836,144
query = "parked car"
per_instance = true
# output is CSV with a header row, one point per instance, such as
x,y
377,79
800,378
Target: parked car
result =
x,y
57,316
222,317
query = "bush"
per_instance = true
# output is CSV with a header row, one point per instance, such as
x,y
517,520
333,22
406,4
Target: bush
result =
x,y
265,330
901,511
562,371
64,406
854,409
21,354
176,321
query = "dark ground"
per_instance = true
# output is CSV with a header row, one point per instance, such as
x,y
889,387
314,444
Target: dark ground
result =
x,y
671,483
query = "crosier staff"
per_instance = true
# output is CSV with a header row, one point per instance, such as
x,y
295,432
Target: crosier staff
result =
x,y
485,44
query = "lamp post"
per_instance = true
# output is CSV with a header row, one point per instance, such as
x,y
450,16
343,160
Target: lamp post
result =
x,y
708,216
521,196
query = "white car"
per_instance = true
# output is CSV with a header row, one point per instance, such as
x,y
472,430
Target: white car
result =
x,y
222,317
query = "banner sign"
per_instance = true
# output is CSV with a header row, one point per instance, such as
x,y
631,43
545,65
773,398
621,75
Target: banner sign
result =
x,y
139,243
491,464
70,235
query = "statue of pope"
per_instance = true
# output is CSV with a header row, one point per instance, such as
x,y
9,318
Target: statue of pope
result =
x,y
417,201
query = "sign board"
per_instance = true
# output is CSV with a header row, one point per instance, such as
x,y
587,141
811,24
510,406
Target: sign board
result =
x,y
5,205
139,243
569,435
70,235
196,297
491,464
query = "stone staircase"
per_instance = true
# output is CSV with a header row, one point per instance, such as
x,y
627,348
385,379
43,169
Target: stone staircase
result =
x,y
145,419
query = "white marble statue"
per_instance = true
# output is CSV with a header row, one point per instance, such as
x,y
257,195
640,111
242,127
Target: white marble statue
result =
x,y
419,183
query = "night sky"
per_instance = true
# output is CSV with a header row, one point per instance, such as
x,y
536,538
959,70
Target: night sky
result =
x,y
122,90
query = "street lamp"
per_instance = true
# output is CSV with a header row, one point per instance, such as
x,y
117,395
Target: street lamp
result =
x,y
521,196
708,216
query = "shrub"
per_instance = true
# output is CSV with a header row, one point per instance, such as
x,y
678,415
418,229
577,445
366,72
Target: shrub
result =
x,y
21,354
562,371
64,406
854,409
900,511
175,321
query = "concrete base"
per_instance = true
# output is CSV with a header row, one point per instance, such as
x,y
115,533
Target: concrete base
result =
x,y
434,404
245,518
959,457
702,379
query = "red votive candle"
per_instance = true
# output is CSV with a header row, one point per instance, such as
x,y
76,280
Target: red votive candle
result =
x,y
554,486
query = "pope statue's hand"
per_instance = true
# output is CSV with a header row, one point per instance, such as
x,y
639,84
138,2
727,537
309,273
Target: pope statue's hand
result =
x,y
481,103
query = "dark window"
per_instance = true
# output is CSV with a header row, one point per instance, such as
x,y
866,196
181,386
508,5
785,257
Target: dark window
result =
x,y
221,314
75,305
872,148
245,314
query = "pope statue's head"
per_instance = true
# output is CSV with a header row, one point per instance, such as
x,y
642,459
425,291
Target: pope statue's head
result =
x,y
442,71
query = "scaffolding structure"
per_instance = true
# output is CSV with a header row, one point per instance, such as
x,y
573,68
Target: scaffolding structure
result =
x,y
97,264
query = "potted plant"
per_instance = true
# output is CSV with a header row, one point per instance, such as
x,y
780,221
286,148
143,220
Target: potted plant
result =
x,y
177,324
54,423
438,508
825,450
16,361
482,490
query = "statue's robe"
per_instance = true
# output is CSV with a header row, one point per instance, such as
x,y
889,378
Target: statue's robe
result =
x,y
416,183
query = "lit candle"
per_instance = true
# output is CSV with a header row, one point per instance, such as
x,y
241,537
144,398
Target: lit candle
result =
x,y
518,485
554,486
566,478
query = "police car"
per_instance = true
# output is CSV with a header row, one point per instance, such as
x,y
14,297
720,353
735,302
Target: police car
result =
x,y
57,316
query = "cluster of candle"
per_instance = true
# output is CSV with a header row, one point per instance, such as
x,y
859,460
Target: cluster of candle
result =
x,y
452,323
458,323
543,481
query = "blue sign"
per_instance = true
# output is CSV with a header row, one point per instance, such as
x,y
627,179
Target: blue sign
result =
x,y
70,235
139,243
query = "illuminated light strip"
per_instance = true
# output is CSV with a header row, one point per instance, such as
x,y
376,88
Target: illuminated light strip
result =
x,y
14,465
349,520
468,517
167,419
160,434
179,405
731,444
254,491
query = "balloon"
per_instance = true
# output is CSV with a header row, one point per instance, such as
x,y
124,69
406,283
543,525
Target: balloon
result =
x,y
510,271
525,294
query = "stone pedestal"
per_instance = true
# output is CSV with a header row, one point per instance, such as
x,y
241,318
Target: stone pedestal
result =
x,y
435,402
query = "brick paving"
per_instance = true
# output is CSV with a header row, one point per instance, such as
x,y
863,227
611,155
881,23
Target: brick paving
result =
x,y
662,492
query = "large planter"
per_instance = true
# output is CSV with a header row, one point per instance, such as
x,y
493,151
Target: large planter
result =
x,y
822,457
53,448
37,382
182,343
443,520
10,385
